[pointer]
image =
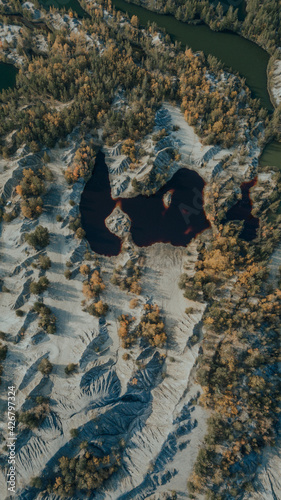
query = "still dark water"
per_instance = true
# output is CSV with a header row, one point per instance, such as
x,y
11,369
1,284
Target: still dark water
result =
x,y
271,155
151,221
8,74
242,210
95,206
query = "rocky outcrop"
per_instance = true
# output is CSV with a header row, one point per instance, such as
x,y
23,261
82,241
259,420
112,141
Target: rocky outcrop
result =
x,y
119,186
118,223
163,119
119,166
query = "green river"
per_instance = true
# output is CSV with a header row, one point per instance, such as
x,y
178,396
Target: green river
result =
x,y
237,53
73,5
234,51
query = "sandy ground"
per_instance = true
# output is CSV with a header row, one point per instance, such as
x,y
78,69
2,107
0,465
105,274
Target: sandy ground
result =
x,y
10,34
268,483
148,400
157,417
164,429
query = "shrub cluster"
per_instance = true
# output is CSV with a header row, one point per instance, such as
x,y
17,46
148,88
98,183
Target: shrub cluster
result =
x,y
84,160
47,320
34,417
128,277
40,286
39,238
151,328
84,474
30,189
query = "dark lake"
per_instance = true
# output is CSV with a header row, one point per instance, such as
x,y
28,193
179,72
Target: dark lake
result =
x,y
151,221
242,210
95,206
8,73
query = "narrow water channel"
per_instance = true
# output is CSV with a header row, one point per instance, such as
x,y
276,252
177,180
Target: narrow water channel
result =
x,y
242,211
73,5
8,73
271,155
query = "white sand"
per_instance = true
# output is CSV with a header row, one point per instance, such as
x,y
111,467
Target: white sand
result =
x,y
275,81
161,431
77,331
